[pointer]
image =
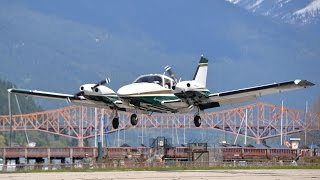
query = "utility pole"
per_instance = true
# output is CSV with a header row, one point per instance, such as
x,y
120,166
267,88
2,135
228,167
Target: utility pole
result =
x,y
95,126
10,114
281,122
305,122
101,137
184,130
246,129
80,140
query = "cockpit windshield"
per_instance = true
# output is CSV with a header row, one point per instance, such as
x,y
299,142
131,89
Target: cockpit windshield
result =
x,y
150,79
157,79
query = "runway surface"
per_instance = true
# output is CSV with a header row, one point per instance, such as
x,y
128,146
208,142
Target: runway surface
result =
x,y
169,175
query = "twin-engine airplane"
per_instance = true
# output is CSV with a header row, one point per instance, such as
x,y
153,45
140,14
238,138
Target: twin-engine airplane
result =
x,y
163,94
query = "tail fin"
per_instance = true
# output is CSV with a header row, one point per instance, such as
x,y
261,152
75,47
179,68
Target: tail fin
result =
x,y
201,73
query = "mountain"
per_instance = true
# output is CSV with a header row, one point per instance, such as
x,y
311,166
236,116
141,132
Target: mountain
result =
x,y
26,105
59,45
300,12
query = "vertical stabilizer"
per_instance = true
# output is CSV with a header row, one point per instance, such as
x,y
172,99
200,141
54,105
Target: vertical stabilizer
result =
x,y
200,75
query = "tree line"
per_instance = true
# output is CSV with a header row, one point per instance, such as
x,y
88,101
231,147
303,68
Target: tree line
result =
x,y
27,105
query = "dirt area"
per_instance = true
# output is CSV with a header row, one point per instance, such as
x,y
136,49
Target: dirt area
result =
x,y
173,175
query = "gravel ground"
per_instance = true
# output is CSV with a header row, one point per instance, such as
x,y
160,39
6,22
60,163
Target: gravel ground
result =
x,y
169,175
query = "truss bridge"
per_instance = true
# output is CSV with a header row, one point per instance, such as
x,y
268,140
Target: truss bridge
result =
x,y
258,121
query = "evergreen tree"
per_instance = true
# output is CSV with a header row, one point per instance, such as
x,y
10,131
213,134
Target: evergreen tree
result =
x,y
27,105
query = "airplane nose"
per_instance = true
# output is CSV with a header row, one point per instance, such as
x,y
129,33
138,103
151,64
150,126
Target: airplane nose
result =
x,y
125,90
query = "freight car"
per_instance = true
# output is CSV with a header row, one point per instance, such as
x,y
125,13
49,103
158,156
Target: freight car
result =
x,y
238,153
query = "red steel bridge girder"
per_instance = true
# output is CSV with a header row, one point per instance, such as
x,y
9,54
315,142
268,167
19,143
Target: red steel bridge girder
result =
x,y
261,120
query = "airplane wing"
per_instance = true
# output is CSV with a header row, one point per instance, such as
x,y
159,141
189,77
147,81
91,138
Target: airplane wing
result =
x,y
248,94
236,96
44,94
78,100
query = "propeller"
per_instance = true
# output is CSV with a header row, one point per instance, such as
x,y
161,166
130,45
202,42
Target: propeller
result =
x,y
106,81
168,69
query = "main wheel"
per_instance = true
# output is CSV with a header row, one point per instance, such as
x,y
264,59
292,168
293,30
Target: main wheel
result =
x,y
115,123
197,120
134,119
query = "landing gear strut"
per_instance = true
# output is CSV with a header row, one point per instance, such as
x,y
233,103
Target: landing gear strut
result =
x,y
134,119
115,122
197,120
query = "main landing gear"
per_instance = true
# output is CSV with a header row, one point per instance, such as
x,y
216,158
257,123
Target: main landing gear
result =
x,y
197,120
133,119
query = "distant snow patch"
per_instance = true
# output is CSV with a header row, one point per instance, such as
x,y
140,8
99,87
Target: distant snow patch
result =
x,y
255,5
311,9
234,1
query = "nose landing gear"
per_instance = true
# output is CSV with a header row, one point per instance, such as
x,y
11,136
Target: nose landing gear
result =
x,y
197,120
115,122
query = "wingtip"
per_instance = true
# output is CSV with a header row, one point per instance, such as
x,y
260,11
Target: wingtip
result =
x,y
304,83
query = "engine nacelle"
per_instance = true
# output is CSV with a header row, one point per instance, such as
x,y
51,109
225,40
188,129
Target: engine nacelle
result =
x,y
88,89
103,90
185,86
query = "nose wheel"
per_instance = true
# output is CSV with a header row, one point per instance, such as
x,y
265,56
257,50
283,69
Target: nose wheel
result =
x,y
197,120
134,119
115,123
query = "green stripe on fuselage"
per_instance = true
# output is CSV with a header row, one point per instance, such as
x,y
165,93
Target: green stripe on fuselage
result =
x,y
150,99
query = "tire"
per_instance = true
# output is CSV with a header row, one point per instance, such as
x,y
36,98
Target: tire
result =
x,y
134,119
115,123
197,120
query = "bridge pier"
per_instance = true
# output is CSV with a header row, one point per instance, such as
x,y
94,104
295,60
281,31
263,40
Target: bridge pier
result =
x,y
258,141
80,142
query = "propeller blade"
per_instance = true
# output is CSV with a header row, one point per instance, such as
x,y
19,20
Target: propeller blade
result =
x,y
106,81
171,73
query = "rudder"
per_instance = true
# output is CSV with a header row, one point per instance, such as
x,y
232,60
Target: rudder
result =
x,y
200,75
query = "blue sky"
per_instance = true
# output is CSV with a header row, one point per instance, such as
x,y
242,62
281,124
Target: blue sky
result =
x,y
243,49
